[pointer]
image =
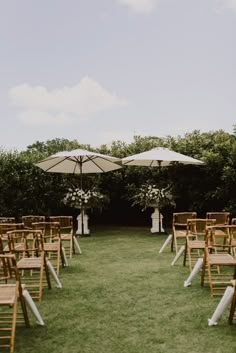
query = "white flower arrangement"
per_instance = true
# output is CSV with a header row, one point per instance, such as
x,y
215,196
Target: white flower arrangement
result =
x,y
79,198
149,195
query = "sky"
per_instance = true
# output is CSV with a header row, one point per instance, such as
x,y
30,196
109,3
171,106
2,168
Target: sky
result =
x,y
104,70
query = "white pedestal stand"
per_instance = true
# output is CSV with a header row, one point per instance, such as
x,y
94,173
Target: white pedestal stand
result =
x,y
157,218
85,222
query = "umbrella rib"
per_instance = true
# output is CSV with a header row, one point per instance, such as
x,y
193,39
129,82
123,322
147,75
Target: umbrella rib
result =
x,y
92,160
56,164
59,162
80,165
127,162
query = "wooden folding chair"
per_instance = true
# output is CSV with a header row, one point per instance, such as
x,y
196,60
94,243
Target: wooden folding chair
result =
x,y
10,294
221,218
28,247
179,228
29,219
6,227
67,236
195,239
52,242
218,261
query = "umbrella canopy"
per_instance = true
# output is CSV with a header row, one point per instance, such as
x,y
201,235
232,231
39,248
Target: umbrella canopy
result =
x,y
158,157
78,162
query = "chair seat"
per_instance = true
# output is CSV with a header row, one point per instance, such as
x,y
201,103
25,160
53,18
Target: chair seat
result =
x,y
51,246
18,247
180,233
221,259
8,294
196,244
30,263
66,236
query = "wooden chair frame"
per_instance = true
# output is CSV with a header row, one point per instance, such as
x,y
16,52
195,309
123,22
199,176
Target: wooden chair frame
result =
x,y
179,228
28,247
67,233
218,256
195,240
10,294
52,242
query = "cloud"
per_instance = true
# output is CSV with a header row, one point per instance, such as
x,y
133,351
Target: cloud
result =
x,y
42,106
140,6
223,4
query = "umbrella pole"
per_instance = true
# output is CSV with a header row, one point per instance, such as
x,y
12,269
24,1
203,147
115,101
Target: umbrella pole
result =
x,y
82,206
159,214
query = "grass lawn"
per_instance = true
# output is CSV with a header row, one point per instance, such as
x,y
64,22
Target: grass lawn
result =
x,y
122,296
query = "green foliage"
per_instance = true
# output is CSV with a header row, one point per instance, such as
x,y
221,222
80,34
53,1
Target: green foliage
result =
x,y
25,188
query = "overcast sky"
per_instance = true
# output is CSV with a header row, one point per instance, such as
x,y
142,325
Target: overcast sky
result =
x,y
104,70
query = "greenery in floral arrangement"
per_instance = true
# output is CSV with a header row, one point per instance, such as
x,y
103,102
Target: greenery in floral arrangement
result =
x,y
78,198
149,195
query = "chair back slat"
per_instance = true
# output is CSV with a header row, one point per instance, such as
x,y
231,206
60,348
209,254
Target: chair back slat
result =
x,y
181,218
220,217
50,230
28,220
66,222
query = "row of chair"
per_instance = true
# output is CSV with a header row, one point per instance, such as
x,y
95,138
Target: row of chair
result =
x,y
30,250
209,246
65,222
179,225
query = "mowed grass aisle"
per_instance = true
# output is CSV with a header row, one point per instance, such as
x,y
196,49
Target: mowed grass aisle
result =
x,y
122,296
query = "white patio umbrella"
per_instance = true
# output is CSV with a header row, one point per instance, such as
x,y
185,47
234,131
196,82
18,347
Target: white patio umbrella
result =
x,y
79,162
159,157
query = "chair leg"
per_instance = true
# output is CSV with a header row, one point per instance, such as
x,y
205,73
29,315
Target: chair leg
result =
x,y
23,307
172,243
210,280
47,274
190,260
12,340
185,254
176,245
203,271
73,245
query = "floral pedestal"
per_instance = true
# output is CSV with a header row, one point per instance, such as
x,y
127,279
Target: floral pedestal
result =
x,y
85,223
157,226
